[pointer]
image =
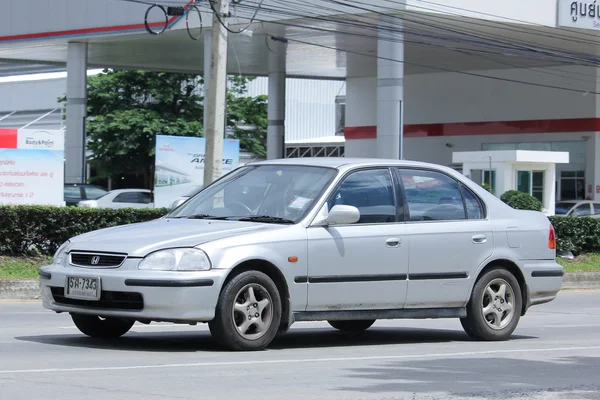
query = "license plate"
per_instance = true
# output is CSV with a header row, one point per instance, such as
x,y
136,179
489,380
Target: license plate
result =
x,y
82,288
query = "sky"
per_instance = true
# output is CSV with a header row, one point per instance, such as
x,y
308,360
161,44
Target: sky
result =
x,y
42,76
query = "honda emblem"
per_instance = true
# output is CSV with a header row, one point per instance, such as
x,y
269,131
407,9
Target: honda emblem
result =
x,y
95,260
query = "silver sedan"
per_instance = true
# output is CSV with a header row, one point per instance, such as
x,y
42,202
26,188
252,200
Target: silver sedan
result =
x,y
347,241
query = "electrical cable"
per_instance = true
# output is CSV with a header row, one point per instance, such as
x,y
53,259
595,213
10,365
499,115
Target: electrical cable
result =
x,y
216,14
538,54
461,50
187,23
442,69
147,25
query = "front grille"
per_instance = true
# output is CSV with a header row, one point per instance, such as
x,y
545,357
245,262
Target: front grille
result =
x,y
129,301
91,260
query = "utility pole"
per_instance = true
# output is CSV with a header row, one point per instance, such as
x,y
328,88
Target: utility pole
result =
x,y
215,110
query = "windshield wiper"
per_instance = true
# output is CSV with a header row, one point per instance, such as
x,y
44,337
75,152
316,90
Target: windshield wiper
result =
x,y
267,219
204,216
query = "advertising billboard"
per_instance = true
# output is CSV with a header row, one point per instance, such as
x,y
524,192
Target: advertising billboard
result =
x,y
179,166
32,167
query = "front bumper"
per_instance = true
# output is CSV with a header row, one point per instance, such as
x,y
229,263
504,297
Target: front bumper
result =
x,y
141,295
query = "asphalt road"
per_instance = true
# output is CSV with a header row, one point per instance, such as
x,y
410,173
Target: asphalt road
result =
x,y
555,354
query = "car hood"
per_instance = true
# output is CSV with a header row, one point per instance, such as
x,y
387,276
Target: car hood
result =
x,y
140,239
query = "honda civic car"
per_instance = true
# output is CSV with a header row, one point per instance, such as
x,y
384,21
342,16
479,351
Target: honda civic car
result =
x,y
348,241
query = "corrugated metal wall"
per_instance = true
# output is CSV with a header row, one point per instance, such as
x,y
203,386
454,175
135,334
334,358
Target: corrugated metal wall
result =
x,y
310,106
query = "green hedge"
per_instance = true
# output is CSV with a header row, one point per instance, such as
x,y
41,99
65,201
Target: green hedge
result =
x,y
27,230
577,234
32,230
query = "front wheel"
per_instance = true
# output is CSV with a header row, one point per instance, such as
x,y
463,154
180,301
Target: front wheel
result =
x,y
248,313
495,306
354,326
106,328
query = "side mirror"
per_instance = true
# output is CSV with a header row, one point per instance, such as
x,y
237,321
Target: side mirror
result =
x,y
177,203
340,215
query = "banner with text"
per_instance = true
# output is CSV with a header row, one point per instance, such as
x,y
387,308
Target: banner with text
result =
x,y
32,167
180,166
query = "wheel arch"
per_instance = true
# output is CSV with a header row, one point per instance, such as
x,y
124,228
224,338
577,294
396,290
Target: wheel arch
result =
x,y
516,271
273,272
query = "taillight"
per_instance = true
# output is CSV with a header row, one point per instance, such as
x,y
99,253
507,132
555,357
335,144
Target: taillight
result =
x,y
551,238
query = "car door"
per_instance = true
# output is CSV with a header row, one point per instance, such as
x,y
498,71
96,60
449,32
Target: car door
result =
x,y
450,238
361,265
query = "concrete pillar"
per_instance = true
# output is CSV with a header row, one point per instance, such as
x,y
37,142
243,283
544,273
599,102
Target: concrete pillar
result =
x,y
361,116
592,166
390,92
276,101
549,195
76,113
206,72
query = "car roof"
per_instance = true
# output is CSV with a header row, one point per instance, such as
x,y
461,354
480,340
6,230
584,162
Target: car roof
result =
x,y
339,162
575,201
129,190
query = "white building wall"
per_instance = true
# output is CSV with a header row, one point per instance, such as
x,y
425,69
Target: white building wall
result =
x,y
453,97
22,17
541,12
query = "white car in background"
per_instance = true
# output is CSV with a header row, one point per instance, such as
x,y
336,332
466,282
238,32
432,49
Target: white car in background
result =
x,y
189,194
578,208
121,198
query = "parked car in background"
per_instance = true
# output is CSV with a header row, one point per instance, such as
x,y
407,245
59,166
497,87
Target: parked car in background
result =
x,y
191,193
76,192
313,239
579,208
121,198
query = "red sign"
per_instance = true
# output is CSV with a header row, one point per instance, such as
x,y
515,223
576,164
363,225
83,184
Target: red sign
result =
x,y
597,188
8,138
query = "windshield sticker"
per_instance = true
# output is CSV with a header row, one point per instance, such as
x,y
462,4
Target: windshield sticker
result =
x,y
299,203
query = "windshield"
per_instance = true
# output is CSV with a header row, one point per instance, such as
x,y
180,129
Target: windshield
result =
x,y
269,193
562,208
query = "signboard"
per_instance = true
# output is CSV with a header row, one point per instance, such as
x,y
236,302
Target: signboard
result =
x,y
579,14
32,167
179,166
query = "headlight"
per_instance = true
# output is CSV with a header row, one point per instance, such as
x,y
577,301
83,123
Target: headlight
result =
x,y
60,254
176,260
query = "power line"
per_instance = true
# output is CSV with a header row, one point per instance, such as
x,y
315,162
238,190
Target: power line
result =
x,y
442,69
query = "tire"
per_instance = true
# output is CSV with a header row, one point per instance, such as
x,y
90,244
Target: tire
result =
x,y
354,326
498,323
108,328
236,325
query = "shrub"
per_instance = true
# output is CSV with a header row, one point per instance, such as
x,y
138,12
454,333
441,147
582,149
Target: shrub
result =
x,y
577,234
521,201
33,230
487,187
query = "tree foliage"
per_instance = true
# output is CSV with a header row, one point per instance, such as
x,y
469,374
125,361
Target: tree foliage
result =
x,y
127,109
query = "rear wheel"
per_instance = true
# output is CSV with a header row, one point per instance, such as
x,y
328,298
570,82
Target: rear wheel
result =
x,y
354,326
248,313
97,327
495,306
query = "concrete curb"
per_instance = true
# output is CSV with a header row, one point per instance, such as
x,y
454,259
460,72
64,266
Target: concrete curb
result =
x,y
19,289
29,289
581,281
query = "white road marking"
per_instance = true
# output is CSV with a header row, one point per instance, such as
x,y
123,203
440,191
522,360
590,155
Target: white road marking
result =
x,y
297,361
572,326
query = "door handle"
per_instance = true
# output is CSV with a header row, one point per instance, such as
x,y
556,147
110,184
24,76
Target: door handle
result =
x,y
479,239
393,242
